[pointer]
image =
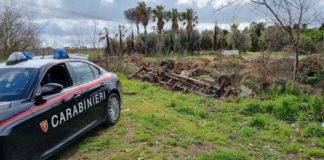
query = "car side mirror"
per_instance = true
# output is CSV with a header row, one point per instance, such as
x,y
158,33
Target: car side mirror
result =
x,y
50,89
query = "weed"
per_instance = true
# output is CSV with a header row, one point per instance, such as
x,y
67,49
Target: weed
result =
x,y
259,121
312,153
317,108
293,147
276,89
251,108
293,89
225,154
269,154
287,111
247,131
314,130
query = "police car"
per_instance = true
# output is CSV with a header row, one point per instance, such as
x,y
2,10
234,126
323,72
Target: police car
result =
x,y
47,102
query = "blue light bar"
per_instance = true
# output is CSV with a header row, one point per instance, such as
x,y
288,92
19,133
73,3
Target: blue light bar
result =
x,y
28,55
17,57
60,54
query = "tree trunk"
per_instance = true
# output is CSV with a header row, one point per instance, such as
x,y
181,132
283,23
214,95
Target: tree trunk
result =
x,y
295,76
215,38
159,47
137,27
174,41
145,36
107,44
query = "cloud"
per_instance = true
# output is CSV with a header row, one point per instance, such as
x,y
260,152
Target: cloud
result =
x,y
199,3
215,3
107,1
221,3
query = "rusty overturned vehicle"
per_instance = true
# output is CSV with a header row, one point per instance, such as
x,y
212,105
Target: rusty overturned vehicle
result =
x,y
185,81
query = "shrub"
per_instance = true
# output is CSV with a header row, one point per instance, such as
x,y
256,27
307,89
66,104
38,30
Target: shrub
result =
x,y
276,89
312,80
286,111
259,121
317,108
292,148
268,106
314,130
225,154
251,108
314,152
293,89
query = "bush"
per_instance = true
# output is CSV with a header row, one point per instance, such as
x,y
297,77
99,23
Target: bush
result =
x,y
286,111
293,89
312,80
259,121
251,108
276,89
314,130
317,108
225,154
293,147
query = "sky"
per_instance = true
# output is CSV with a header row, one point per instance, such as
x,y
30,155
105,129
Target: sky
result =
x,y
63,21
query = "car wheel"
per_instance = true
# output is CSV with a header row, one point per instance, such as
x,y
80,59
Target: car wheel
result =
x,y
113,109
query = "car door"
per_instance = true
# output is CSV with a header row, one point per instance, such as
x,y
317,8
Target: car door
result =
x,y
53,124
93,90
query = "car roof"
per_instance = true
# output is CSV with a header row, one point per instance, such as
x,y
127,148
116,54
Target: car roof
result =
x,y
39,61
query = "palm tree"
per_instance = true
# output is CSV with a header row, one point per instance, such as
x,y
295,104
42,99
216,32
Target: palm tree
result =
x,y
174,15
190,19
133,16
160,16
145,16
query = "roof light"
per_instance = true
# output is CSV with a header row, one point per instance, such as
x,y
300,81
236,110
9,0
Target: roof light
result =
x,y
17,57
60,54
28,55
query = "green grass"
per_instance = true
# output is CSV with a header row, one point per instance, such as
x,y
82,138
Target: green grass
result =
x,y
161,124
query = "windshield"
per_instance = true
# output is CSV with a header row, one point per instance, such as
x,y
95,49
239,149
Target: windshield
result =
x,y
15,83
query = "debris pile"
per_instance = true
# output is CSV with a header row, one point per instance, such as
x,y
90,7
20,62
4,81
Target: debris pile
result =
x,y
229,76
166,76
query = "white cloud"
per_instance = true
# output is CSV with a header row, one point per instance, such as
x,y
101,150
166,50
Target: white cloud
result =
x,y
321,2
107,1
199,3
214,3
221,3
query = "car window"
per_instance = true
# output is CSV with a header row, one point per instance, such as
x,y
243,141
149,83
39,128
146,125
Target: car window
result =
x,y
15,83
57,74
95,70
82,71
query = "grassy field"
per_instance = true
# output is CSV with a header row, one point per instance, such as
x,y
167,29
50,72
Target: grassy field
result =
x,y
161,124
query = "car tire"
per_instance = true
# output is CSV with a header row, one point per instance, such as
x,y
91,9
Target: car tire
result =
x,y
112,109
168,64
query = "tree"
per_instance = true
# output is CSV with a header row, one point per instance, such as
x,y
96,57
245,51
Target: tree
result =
x,y
160,16
104,35
17,32
237,39
190,19
145,16
174,16
256,30
133,16
288,13
321,27
206,40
